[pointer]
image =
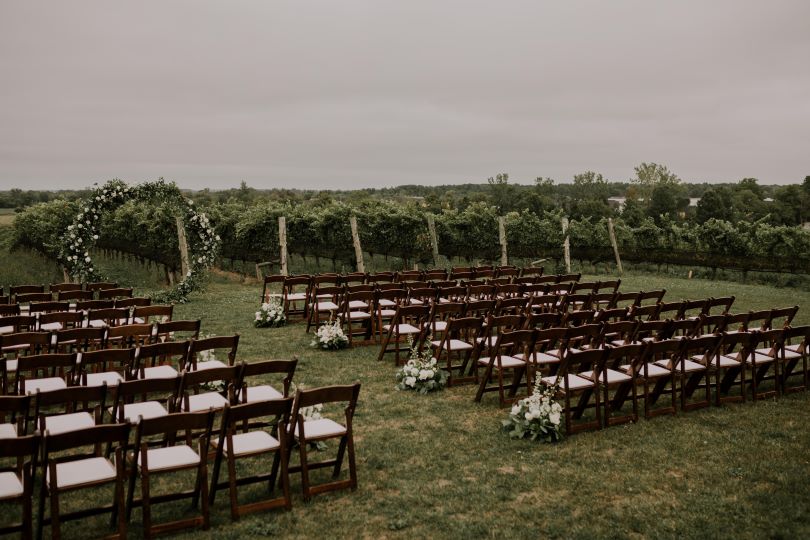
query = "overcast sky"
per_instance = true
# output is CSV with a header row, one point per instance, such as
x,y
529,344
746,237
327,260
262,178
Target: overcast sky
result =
x,y
342,94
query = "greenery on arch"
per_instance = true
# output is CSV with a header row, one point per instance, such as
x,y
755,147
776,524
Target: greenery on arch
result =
x,y
81,236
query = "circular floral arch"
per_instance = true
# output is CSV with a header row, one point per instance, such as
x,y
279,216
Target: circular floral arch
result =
x,y
82,235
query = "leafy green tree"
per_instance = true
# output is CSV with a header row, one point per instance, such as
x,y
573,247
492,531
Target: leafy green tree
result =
x,y
502,193
716,203
589,196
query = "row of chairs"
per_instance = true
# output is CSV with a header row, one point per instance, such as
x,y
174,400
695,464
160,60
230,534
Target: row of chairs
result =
x,y
23,294
604,377
53,317
92,365
166,444
50,306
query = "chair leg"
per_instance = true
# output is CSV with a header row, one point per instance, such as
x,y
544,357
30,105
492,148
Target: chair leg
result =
x,y
120,508
302,452
352,464
146,508
206,515
41,509
215,476
232,486
56,531
339,459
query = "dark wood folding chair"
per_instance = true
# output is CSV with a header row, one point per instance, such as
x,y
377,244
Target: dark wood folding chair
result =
x,y
305,431
171,453
103,318
197,388
114,294
273,287
324,305
455,348
386,303
250,392
692,364
357,316
177,330
74,408
500,359
496,325
623,382
43,373
147,398
160,360
765,354
295,296
59,320
105,366
407,322
648,370
130,335
152,314
67,472
17,483
571,381
731,362
78,340
792,353
240,439
211,352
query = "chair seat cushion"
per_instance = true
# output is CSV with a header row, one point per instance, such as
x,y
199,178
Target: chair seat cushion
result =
x,y
404,328
6,329
11,365
327,306
761,358
170,457
10,485
144,409
252,442
8,431
356,315
263,392
209,364
159,372
357,304
50,327
613,376
653,370
541,358
575,382
792,348
83,472
506,361
112,378
687,365
437,326
97,324
387,313
205,401
455,345
296,297
725,361
384,302
321,428
44,385
62,423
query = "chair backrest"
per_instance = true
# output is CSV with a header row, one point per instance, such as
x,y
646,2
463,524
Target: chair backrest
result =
x,y
499,324
759,320
14,410
328,394
626,298
573,278
453,294
578,318
92,399
581,336
25,289
611,315
657,350
624,331
208,347
724,303
27,298
583,286
425,295
671,310
650,312
684,328
85,305
101,285
577,362
66,319
577,301
24,343
118,292
381,277
191,381
60,287
408,275
609,285
173,353
513,342
541,321
478,308
782,317
170,425
100,437
509,290
236,416
109,316
7,309
269,281
511,306
351,278
695,308
74,295
656,297
654,330
464,328
531,271
711,324
132,302
47,307
130,335
792,333
545,303
177,330
18,323
773,339
267,367
79,339
435,274
624,355
507,271
25,448
163,313
397,296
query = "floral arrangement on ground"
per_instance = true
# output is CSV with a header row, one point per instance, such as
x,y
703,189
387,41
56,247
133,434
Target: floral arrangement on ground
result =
x,y
270,314
330,336
421,372
537,417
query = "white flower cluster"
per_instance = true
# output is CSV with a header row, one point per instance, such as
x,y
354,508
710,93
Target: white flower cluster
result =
x,y
421,373
538,416
313,412
330,336
271,314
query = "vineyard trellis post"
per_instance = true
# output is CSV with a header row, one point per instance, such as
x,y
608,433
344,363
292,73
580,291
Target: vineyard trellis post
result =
x,y
615,245
566,245
434,240
502,239
282,243
358,249
183,245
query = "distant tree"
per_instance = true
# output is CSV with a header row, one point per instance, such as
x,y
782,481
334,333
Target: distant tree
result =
x,y
589,196
633,212
650,175
717,203
667,200
502,193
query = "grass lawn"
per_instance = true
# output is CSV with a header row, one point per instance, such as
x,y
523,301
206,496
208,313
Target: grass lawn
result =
x,y
437,466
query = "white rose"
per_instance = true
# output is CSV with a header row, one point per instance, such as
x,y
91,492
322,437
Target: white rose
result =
x,y
410,381
554,418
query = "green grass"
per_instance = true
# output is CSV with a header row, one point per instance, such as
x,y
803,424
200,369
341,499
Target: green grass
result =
x,y
437,466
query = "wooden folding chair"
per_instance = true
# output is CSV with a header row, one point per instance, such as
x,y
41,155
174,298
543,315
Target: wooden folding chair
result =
x,y
305,431
67,472
152,314
571,380
103,318
500,359
692,365
792,353
7,309
475,308
455,348
147,398
495,326
43,373
75,408
441,313
130,335
238,441
357,315
13,324
79,340
59,320
648,369
249,393
731,362
408,321
105,366
764,357
210,352
623,382
295,296
17,483
271,283
171,453
177,330
197,388
160,360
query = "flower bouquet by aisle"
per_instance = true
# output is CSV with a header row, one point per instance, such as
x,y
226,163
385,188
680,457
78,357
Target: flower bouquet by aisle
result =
x,y
270,315
537,417
421,373
330,336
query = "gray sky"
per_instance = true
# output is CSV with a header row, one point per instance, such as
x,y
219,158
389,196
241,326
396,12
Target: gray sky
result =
x,y
355,94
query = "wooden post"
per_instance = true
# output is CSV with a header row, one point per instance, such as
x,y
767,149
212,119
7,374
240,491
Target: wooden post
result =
x,y
502,238
282,242
434,240
181,241
615,245
566,245
358,250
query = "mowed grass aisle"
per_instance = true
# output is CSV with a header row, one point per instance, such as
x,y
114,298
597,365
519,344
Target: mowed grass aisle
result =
x,y
438,466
